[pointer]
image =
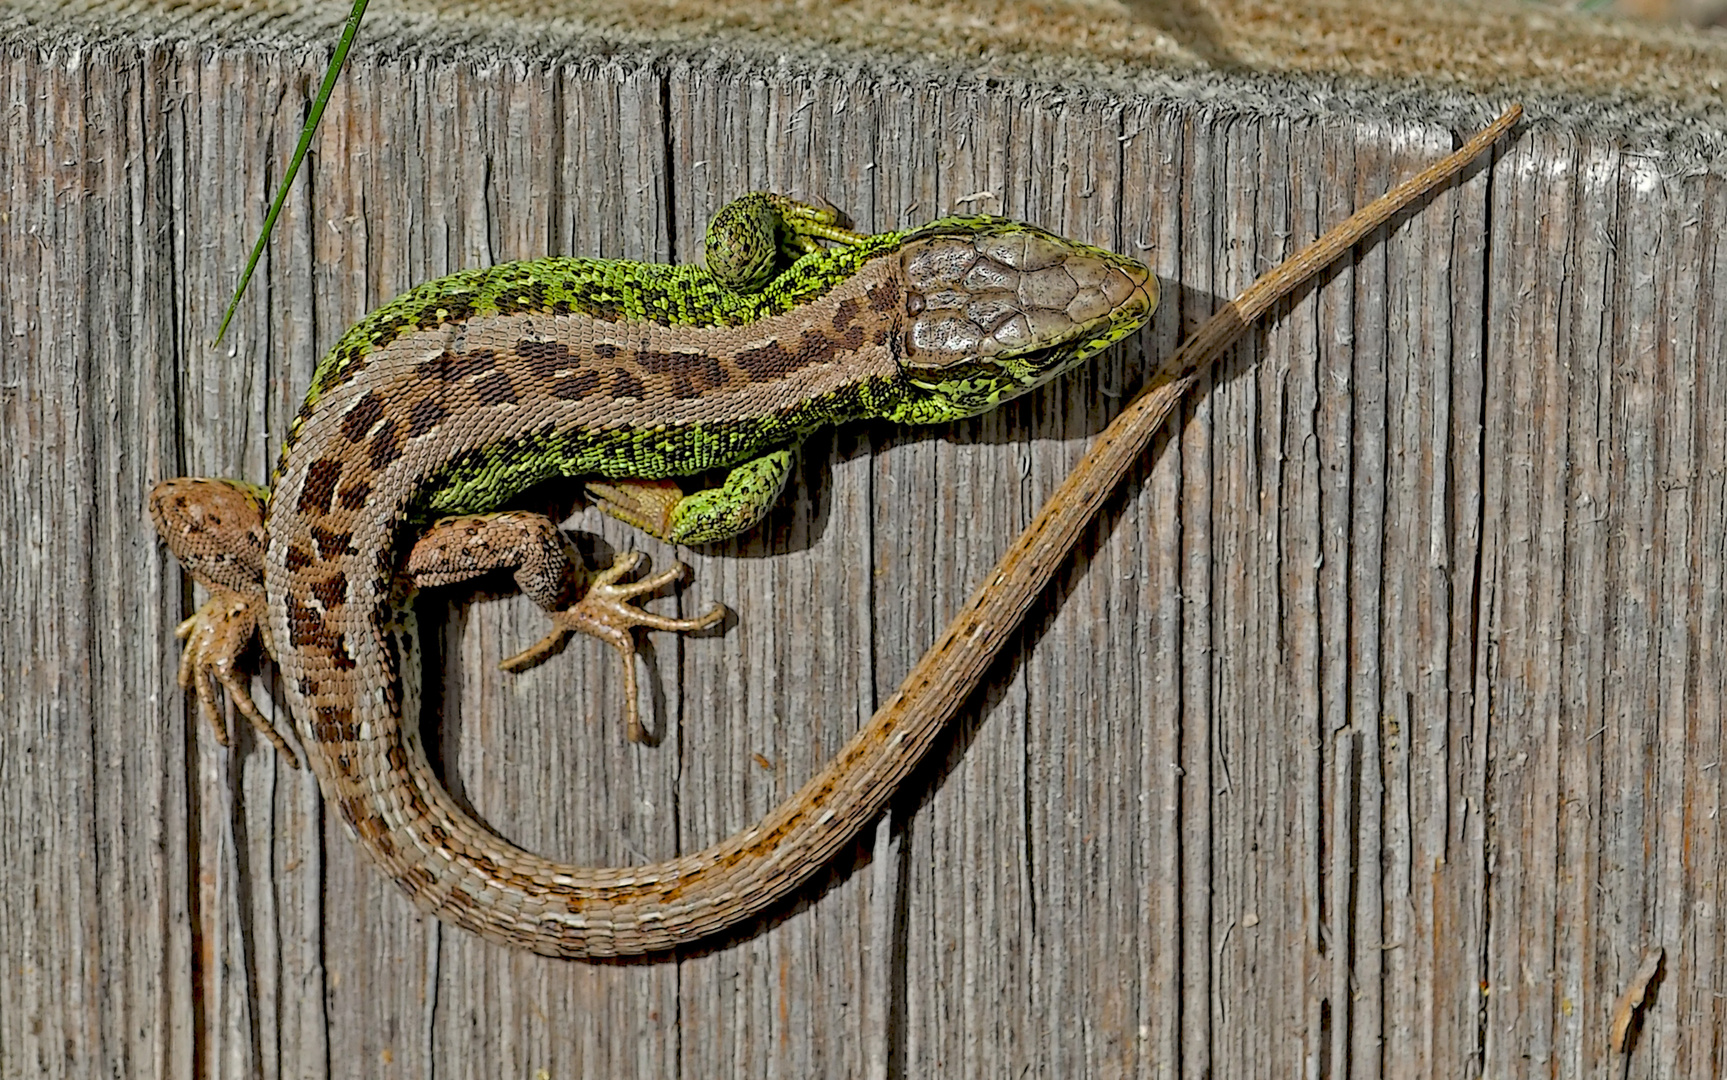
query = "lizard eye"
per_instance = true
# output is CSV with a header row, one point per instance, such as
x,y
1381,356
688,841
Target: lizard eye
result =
x,y
979,299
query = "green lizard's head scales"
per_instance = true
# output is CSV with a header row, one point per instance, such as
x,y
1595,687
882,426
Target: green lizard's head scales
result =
x,y
998,308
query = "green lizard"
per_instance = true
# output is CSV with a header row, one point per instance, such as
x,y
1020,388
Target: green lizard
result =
x,y
467,388
438,407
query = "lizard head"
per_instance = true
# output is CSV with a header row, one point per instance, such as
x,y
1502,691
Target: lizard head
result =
x,y
995,308
215,528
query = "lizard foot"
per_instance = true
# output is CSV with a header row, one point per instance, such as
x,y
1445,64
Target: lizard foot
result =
x,y
610,612
218,638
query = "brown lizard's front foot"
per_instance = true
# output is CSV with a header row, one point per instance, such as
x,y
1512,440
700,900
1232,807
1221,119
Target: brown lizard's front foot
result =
x,y
218,641
610,612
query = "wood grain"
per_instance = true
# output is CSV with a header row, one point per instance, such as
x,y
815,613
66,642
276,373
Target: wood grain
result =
x,y
1376,729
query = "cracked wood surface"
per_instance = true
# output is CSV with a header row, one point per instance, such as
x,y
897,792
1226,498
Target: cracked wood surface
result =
x,y
1378,724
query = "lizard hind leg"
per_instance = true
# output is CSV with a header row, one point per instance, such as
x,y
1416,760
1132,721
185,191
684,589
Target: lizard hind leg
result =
x,y
548,572
219,638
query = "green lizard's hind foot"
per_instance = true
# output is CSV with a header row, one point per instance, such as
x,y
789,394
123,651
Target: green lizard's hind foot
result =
x,y
608,611
458,548
219,639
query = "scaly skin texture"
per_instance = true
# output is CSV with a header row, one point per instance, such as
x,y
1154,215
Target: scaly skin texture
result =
x,y
468,389
357,478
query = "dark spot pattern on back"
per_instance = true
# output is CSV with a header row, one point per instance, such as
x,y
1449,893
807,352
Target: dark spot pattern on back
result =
x,y
770,361
815,347
495,389
626,385
883,296
332,591
320,486
687,375
426,414
306,628
354,496
332,545
335,723
366,412
387,446
455,366
707,372
579,385
544,358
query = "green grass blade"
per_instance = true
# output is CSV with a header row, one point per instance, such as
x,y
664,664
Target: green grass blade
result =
x,y
336,61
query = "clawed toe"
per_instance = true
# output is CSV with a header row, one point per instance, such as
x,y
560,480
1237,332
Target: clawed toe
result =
x,y
218,640
609,611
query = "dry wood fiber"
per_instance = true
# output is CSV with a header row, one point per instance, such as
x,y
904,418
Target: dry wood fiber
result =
x,y
1374,732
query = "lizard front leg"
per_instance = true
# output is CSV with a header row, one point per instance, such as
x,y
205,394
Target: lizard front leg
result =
x,y
548,572
661,508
